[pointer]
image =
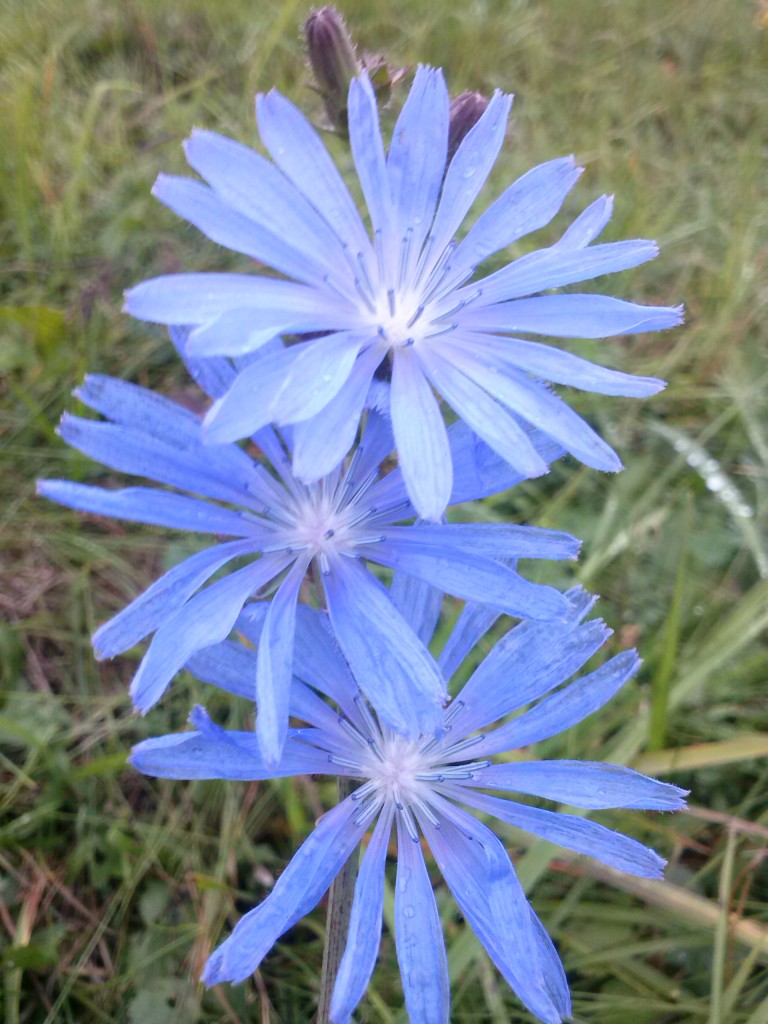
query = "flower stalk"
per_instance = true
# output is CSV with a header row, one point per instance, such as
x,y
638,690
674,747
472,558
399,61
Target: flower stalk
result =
x,y
337,920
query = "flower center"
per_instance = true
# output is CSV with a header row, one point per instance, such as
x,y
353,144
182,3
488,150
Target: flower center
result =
x,y
395,773
399,318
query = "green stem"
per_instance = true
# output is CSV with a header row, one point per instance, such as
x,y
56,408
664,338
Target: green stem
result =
x,y
337,921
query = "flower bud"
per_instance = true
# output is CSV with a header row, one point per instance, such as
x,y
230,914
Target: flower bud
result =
x,y
465,111
333,60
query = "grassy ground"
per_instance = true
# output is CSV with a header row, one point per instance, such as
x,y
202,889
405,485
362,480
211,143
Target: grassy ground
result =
x,y
113,888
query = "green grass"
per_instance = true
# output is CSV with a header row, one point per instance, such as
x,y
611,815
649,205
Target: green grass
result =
x,y
113,888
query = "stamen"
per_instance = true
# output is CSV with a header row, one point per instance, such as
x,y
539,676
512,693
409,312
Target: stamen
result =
x,y
389,510
427,811
463,745
423,260
365,276
409,822
453,710
368,813
349,523
459,305
364,296
444,330
343,762
289,549
362,487
353,731
415,317
350,473
378,245
438,272
405,248
450,772
325,565
391,300
364,792
359,541
366,714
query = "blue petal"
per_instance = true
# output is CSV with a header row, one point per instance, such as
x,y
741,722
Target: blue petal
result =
x,y
217,219
319,662
322,441
215,753
146,505
130,450
198,298
491,540
538,656
419,937
299,152
480,410
577,834
368,151
213,375
479,471
588,224
571,316
235,332
554,364
557,266
142,409
303,883
473,869
472,577
389,662
163,598
256,189
246,407
552,972
418,603
275,663
565,708
529,399
364,935
416,161
473,623
589,784
232,667
319,371
375,445
467,173
420,436
204,620
228,665
528,204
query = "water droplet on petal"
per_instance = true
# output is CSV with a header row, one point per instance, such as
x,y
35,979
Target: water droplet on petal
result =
x,y
409,912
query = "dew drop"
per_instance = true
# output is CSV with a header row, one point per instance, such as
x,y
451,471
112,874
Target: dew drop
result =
x,y
409,912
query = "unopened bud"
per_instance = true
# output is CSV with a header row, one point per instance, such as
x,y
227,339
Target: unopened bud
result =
x,y
465,111
333,60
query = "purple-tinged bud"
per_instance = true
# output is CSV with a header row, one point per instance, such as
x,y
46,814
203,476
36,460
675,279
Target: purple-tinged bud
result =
x,y
465,111
334,62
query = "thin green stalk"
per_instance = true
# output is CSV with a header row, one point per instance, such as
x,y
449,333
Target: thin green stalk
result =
x,y
337,921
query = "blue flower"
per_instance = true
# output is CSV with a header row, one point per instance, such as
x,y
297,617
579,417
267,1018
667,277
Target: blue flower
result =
x,y
287,533
406,302
417,782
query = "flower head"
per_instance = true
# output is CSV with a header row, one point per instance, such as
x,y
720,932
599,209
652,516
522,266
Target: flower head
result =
x,y
405,301
288,532
418,782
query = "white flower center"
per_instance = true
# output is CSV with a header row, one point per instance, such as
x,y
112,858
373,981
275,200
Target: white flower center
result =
x,y
395,773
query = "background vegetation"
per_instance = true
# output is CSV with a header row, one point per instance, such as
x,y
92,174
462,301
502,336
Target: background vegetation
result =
x,y
113,888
